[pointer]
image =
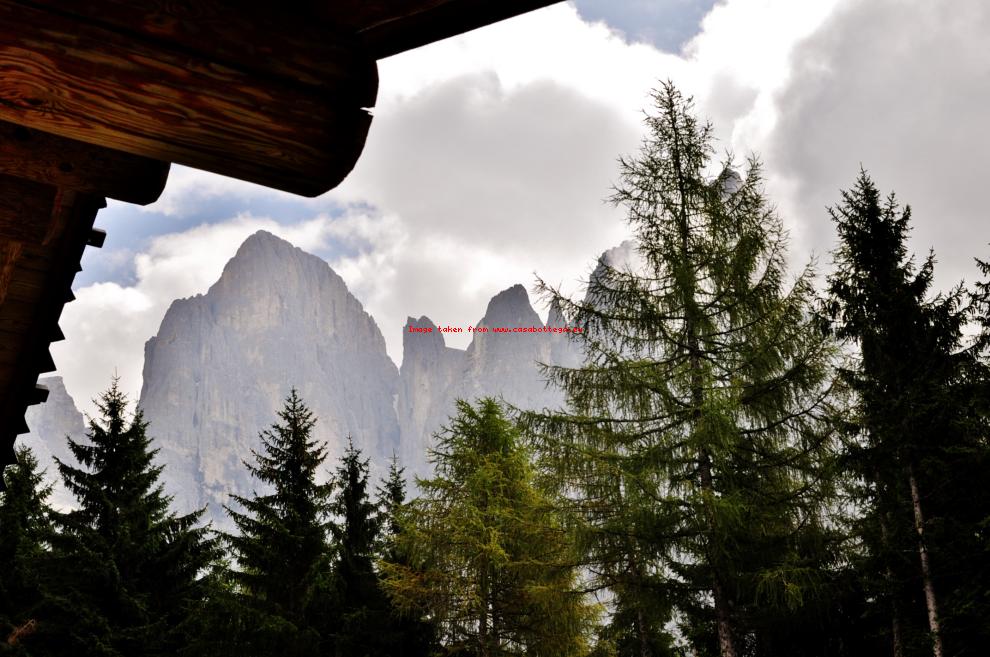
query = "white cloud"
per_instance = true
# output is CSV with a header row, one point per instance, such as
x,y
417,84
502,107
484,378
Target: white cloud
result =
x,y
490,155
187,188
898,86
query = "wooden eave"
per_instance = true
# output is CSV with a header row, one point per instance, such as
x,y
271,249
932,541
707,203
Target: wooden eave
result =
x,y
98,97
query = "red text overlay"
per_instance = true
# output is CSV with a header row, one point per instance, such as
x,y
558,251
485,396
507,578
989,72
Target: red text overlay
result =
x,y
496,329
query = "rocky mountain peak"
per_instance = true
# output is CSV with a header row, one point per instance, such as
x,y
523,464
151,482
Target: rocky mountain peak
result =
x,y
222,363
51,423
262,248
622,256
421,339
267,265
511,307
555,317
263,244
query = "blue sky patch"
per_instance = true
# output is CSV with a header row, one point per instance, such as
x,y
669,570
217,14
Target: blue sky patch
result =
x,y
667,24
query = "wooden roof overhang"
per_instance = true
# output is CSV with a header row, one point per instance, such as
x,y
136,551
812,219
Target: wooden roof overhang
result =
x,y
98,97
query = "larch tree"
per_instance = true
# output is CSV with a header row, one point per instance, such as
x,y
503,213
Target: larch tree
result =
x,y
695,437
487,559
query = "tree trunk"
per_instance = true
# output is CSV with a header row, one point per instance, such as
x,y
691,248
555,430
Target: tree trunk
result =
x,y
633,570
895,608
926,572
483,616
644,647
726,645
691,311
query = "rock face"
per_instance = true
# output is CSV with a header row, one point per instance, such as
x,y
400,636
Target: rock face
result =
x,y
428,380
222,363
51,423
506,363
495,364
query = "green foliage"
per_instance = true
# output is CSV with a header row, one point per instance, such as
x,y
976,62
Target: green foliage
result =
x,y
360,603
391,497
486,558
921,414
401,634
695,446
25,529
280,597
124,574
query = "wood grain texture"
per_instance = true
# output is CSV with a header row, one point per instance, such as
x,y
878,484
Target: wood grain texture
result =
x,y
94,84
16,317
42,277
48,158
263,38
10,253
25,209
295,44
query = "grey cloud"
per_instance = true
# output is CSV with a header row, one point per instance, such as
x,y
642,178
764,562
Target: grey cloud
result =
x,y
903,89
503,182
526,169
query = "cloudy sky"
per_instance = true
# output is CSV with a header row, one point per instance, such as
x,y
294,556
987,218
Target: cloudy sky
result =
x,y
491,153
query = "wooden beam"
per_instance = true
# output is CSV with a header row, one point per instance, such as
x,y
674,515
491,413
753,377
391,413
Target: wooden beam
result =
x,y
39,395
388,27
29,317
96,239
25,209
269,41
92,83
75,165
10,254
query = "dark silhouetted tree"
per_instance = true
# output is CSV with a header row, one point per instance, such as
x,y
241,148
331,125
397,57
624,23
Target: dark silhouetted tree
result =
x,y
125,572
919,446
25,529
281,553
405,633
359,600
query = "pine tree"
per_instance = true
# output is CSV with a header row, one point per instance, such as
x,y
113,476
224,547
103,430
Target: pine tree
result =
x,y
125,570
25,529
488,561
696,432
281,550
921,449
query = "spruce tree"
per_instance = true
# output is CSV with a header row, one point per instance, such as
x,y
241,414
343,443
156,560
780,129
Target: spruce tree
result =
x,y
404,633
359,601
695,434
25,529
125,571
920,447
488,561
391,498
281,549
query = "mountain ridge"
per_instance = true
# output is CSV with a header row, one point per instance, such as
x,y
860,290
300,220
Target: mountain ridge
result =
x,y
221,363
